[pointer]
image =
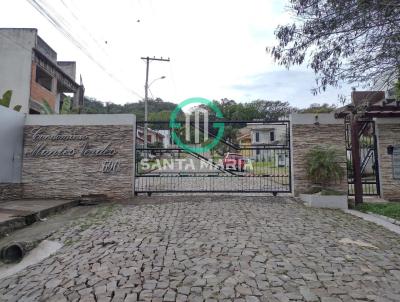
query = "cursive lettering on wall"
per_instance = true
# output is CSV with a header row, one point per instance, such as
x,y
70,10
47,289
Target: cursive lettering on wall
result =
x,y
37,135
79,148
102,151
41,150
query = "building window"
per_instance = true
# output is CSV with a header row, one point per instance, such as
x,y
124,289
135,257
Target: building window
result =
x,y
257,137
272,136
33,111
258,151
44,79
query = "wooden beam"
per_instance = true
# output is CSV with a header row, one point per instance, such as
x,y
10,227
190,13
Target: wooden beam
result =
x,y
385,108
355,152
382,114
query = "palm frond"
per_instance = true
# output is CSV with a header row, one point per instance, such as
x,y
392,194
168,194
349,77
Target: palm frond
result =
x,y
323,166
46,108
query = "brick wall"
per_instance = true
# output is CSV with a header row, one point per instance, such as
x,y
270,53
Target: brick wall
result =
x,y
39,93
305,136
72,176
388,134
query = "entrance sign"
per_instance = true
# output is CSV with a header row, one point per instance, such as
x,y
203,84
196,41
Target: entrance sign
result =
x,y
81,148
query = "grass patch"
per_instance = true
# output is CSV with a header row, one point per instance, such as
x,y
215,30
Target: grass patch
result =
x,y
391,209
96,218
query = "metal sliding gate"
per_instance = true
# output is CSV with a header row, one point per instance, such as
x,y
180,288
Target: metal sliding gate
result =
x,y
368,158
251,156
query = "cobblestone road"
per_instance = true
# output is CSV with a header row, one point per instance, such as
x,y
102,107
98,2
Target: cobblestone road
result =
x,y
219,248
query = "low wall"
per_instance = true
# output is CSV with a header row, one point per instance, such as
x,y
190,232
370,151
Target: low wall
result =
x,y
388,134
67,156
11,141
309,132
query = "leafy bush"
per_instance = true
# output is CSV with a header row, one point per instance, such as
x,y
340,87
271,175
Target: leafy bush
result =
x,y
322,166
6,100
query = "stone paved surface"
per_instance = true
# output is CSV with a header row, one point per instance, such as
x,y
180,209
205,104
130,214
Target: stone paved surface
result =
x,y
216,249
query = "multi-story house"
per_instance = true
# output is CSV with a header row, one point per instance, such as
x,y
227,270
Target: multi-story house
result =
x,y
29,67
260,138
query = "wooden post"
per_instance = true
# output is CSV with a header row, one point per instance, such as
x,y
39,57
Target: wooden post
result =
x,y
355,152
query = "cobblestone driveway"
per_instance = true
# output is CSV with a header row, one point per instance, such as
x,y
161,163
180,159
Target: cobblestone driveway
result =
x,y
219,248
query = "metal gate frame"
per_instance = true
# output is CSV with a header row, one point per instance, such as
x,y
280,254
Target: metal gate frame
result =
x,y
369,156
269,182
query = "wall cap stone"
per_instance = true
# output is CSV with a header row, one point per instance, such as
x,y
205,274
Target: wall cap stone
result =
x,y
80,119
309,119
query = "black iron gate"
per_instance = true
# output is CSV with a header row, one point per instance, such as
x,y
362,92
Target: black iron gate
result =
x,y
368,158
251,156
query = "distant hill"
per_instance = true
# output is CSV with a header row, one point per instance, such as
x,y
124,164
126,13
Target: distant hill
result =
x,y
156,107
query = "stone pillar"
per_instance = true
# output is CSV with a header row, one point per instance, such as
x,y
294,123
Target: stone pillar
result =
x,y
309,130
388,134
78,99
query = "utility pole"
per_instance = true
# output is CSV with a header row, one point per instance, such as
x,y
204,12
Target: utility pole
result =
x,y
146,88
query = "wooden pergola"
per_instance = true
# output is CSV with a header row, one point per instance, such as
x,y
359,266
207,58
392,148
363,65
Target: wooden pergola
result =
x,y
365,106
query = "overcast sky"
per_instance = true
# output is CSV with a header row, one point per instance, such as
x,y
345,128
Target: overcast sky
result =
x,y
217,48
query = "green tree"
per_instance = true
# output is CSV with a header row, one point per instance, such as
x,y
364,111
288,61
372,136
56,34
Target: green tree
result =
x,y
66,107
318,108
356,41
272,110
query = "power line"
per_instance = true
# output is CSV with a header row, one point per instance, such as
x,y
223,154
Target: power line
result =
x,y
71,11
45,13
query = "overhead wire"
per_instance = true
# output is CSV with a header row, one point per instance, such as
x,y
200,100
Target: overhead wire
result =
x,y
77,19
45,13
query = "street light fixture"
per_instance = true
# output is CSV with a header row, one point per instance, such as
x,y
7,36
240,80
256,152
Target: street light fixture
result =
x,y
160,78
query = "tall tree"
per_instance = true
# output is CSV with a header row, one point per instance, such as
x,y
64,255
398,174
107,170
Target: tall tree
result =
x,y
318,108
356,41
271,110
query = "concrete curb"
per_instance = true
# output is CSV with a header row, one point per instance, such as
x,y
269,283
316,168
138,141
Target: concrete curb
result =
x,y
391,220
375,219
22,220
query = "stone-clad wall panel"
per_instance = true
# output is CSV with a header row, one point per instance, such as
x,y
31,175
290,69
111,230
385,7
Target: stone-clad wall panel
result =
x,y
63,176
388,135
307,136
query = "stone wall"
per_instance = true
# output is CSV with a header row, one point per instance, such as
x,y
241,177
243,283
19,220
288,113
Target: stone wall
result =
x,y
306,134
70,160
10,191
388,132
